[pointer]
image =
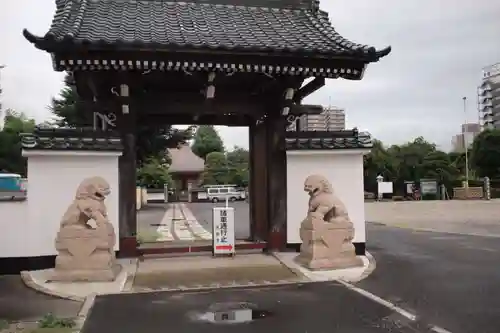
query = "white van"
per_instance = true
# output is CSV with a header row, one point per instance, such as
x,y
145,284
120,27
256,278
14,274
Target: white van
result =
x,y
220,193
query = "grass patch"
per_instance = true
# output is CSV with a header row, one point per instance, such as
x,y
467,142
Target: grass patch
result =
x,y
49,321
48,324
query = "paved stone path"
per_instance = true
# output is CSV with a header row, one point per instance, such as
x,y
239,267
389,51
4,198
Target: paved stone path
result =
x,y
177,223
203,213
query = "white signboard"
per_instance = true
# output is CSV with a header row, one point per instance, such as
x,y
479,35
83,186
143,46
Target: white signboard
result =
x,y
223,230
384,187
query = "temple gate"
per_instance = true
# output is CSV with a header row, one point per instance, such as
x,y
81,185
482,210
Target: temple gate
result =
x,y
221,62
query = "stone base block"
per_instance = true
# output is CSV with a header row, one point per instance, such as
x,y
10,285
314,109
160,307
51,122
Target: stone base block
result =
x,y
327,264
86,275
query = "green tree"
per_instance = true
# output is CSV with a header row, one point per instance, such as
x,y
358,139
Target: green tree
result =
x,y
238,164
411,161
216,169
154,173
64,107
152,140
485,154
206,141
11,159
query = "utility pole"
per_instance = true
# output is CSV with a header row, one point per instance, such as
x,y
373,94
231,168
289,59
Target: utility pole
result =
x,y
466,149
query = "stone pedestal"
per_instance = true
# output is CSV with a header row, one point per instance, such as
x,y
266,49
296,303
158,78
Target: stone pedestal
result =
x,y
327,245
85,254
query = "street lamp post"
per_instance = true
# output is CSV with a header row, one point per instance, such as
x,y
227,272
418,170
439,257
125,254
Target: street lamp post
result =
x,y
466,150
1,111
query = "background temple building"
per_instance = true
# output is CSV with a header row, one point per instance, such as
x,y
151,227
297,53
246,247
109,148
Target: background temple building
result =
x,y
186,167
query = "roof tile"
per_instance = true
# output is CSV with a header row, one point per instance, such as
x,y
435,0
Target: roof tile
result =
x,y
168,24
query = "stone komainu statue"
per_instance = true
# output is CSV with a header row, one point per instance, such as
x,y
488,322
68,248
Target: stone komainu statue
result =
x,y
326,232
86,253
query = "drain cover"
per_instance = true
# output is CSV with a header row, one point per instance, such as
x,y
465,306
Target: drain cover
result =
x,y
230,313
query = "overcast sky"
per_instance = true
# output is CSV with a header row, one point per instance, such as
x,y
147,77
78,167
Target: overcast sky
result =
x,y
439,49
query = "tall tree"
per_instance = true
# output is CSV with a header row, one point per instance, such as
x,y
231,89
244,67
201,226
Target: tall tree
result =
x,y
411,161
216,169
206,141
485,154
152,140
154,173
11,159
238,165
64,106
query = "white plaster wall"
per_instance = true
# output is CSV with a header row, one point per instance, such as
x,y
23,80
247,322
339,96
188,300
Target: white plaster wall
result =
x,y
344,170
53,178
15,228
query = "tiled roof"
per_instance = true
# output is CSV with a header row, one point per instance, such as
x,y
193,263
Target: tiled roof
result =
x,y
323,142
71,139
184,160
155,25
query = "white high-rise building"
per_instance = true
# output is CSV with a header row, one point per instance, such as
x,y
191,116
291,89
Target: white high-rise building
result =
x,y
489,97
331,119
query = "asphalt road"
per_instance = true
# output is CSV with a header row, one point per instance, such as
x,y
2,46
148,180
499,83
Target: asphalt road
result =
x,y
449,280
203,213
20,303
315,308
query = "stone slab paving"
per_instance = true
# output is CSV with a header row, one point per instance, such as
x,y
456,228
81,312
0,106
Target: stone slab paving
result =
x,y
476,217
203,271
299,308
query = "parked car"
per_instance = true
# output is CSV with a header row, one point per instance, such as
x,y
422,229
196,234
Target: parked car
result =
x,y
12,186
216,193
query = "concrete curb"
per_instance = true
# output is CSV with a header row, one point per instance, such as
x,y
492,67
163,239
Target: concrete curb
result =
x,y
219,286
84,311
372,265
366,272
128,285
28,281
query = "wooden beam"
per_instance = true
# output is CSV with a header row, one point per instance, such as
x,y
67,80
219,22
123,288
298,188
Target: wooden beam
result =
x,y
188,105
322,134
187,119
298,110
204,107
308,89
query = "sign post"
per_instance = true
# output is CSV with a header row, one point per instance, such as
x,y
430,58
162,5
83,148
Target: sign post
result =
x,y
223,231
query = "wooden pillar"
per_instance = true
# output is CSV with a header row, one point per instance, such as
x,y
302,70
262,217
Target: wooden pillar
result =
x,y
126,117
276,182
251,178
258,183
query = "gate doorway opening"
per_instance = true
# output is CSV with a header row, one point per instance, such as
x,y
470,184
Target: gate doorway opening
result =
x,y
184,221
